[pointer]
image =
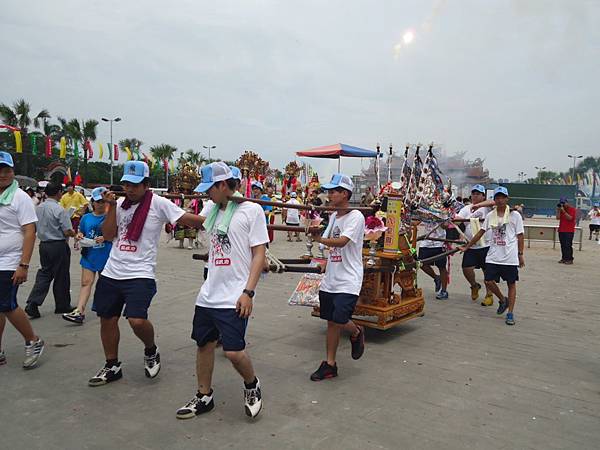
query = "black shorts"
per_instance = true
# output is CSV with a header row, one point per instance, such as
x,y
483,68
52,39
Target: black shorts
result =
x,y
336,307
493,272
134,294
428,252
475,257
594,227
8,291
209,323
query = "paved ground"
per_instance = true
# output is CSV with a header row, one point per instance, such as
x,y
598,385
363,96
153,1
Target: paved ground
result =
x,y
456,378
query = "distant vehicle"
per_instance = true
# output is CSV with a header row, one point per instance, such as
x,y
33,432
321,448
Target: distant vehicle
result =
x,y
542,199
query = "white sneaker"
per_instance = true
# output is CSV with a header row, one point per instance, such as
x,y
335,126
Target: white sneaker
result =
x,y
2,357
106,375
199,404
253,400
33,352
152,364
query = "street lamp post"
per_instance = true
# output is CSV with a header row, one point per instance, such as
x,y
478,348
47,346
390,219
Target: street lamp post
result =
x,y
522,176
539,169
209,148
111,151
575,158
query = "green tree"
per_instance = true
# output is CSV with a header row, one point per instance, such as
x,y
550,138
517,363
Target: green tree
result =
x,y
133,144
163,153
81,132
19,116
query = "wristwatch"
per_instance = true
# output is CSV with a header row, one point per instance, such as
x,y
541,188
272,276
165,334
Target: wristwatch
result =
x,y
249,293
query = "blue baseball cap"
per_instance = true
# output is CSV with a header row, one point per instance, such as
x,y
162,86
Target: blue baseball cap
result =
x,y
97,193
258,184
339,180
212,173
478,188
236,173
564,199
500,190
6,159
135,172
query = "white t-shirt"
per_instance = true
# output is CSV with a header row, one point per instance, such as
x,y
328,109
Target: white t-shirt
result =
x,y
466,213
595,216
12,217
230,256
129,259
206,207
438,233
344,272
504,247
293,215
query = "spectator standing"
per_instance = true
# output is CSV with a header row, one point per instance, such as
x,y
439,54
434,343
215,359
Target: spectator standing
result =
x,y
567,216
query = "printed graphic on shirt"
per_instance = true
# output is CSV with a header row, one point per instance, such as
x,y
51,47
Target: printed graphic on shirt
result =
x,y
499,235
220,249
124,244
335,253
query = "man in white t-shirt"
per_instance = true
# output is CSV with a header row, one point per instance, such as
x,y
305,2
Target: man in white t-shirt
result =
x,y
343,275
127,283
292,216
594,215
429,248
505,255
17,238
474,258
238,235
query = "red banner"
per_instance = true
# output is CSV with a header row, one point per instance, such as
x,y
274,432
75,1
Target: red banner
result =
x,y
48,147
116,150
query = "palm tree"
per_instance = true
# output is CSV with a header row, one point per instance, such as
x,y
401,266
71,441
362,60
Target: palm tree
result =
x,y
133,144
163,153
18,116
81,132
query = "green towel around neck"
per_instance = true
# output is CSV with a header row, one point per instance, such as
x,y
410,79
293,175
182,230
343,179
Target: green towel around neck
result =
x,y
7,196
209,223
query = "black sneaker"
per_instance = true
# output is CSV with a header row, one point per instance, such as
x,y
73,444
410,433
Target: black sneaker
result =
x,y
324,371
253,400
358,343
106,375
200,404
32,311
502,306
152,364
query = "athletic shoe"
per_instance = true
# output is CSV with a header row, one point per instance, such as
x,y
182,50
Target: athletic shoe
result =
x,y
32,311
74,316
510,319
488,300
152,364
438,283
562,261
106,375
358,343
200,404
570,262
475,291
253,400
442,295
502,306
2,358
324,371
33,351
66,310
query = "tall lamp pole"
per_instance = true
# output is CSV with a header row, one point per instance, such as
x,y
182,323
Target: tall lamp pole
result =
x,y
575,158
209,148
111,151
522,175
539,169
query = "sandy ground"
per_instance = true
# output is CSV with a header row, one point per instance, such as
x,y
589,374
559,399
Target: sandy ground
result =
x,y
457,378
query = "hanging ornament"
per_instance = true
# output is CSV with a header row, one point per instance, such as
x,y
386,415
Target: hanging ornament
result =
x,y
18,141
48,147
100,150
33,139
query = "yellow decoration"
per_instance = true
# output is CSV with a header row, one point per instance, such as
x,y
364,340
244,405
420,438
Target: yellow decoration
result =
x,y
100,150
129,155
391,241
63,148
171,166
18,142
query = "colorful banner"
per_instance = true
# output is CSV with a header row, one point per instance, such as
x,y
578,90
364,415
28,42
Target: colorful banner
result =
x,y
33,139
129,155
116,151
18,142
90,150
63,148
100,150
76,151
48,147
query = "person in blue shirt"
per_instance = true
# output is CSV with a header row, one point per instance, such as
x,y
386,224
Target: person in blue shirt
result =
x,y
94,253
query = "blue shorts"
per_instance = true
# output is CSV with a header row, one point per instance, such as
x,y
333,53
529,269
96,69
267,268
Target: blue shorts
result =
x,y
475,257
135,294
209,323
336,308
8,291
428,252
493,272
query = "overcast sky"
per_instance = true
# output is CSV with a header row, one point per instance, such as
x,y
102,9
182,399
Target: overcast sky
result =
x,y
514,81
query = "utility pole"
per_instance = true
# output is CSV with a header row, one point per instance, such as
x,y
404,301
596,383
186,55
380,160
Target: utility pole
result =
x,y
111,151
539,176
